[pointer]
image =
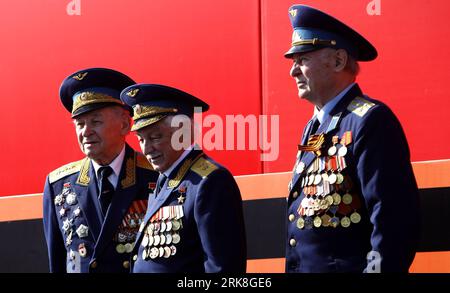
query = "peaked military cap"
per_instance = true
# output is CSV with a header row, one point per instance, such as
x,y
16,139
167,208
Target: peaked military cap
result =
x,y
314,29
91,89
153,102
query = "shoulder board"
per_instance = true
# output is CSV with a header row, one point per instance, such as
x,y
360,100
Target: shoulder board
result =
x,y
64,171
203,167
360,106
142,162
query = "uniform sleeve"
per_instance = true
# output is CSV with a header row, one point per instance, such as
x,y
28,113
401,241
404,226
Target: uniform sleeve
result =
x,y
55,242
220,222
389,188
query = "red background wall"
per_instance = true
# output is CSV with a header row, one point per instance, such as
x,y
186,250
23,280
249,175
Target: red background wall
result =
x,y
409,74
228,52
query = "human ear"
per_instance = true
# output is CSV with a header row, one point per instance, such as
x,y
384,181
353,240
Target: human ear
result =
x,y
341,58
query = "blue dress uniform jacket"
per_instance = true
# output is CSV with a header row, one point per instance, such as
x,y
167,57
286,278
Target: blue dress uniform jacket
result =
x,y
194,224
79,237
376,227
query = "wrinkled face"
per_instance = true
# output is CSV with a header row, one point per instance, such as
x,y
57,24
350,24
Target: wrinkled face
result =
x,y
101,133
313,74
155,142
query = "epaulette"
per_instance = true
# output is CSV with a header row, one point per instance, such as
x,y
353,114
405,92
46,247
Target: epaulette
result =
x,y
203,167
142,162
64,171
360,106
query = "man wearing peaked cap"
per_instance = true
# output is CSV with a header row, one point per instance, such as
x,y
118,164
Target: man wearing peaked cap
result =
x,y
194,221
353,203
93,207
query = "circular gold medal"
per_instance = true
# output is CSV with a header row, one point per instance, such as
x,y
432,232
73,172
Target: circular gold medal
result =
x,y
336,198
317,222
300,223
129,247
324,204
175,225
326,220
339,178
355,217
120,248
347,198
329,199
345,222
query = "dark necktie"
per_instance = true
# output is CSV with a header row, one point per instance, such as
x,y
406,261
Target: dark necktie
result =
x,y
106,188
313,126
161,180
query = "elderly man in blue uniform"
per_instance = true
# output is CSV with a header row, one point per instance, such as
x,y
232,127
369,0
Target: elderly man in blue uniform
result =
x,y
93,207
194,221
353,202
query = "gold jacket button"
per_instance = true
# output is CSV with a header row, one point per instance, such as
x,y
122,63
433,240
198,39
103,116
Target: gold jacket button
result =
x,y
295,194
135,257
291,217
292,242
126,264
94,264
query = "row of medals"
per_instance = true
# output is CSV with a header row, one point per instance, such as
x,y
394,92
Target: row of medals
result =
x,y
67,200
322,186
162,233
127,232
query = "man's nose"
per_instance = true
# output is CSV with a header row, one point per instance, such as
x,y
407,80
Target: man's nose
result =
x,y
87,131
295,70
146,147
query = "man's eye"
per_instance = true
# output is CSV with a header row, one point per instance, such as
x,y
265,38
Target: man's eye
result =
x,y
156,138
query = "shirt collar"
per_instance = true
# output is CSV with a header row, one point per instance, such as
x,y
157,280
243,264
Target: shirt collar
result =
x,y
325,111
116,164
177,162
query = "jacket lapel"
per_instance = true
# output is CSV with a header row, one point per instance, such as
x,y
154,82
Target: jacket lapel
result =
x,y
86,191
123,196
